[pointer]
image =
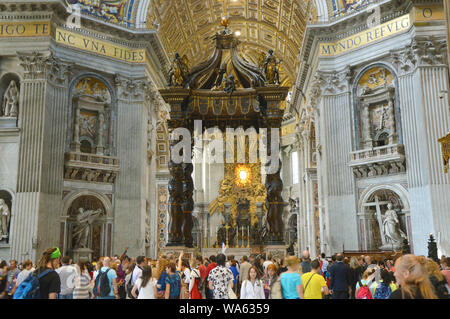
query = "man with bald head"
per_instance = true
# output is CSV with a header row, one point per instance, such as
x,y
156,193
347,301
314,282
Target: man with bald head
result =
x,y
111,274
306,262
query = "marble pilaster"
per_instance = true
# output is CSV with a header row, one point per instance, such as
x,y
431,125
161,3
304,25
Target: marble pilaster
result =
x,y
335,145
423,74
39,183
130,196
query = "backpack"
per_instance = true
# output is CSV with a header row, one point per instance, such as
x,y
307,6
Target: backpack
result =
x,y
29,288
363,292
101,284
382,292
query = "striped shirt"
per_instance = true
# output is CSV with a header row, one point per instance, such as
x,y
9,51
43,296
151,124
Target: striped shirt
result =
x,y
81,290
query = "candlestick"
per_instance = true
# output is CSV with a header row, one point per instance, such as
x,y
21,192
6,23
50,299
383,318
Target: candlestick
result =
x,y
226,234
242,238
237,237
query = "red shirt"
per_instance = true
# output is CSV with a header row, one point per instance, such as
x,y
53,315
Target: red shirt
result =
x,y
202,269
210,267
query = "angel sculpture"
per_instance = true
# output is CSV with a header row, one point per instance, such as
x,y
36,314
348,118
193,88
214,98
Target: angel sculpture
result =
x,y
221,78
230,85
178,74
268,64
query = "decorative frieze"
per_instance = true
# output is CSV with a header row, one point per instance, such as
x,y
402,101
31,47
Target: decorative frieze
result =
x,y
91,167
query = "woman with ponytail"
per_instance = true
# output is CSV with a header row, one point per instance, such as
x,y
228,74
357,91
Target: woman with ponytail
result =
x,y
413,279
49,284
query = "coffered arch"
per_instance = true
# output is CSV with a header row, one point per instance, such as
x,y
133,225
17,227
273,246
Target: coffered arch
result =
x,y
186,27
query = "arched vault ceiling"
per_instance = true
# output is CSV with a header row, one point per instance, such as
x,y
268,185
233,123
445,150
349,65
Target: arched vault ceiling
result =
x,y
186,27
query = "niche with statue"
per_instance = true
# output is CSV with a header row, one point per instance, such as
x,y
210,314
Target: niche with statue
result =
x,y
376,109
91,105
10,99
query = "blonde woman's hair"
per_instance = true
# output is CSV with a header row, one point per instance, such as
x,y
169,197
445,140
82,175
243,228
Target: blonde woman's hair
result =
x,y
292,261
114,266
354,262
418,279
433,270
367,273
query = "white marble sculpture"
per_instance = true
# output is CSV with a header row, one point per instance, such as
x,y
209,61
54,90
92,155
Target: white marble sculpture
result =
x,y
82,228
4,219
10,103
391,228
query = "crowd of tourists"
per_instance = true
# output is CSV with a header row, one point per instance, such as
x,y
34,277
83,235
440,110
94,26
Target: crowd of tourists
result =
x,y
224,277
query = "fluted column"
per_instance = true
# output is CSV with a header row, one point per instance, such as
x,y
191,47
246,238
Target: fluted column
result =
x,y
334,147
130,188
447,20
38,204
425,118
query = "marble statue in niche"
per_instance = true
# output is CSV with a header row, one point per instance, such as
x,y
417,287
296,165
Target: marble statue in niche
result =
x,y
10,105
376,104
5,216
83,225
385,220
92,117
392,232
88,124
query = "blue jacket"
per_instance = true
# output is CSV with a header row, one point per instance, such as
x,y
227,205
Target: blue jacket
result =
x,y
162,281
340,277
235,273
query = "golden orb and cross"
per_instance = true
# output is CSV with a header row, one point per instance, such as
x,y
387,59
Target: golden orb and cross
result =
x,y
225,22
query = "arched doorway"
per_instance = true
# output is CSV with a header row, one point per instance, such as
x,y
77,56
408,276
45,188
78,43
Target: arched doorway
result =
x,y
88,229
384,215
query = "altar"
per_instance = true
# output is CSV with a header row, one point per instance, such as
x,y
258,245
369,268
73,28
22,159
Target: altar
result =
x,y
238,253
